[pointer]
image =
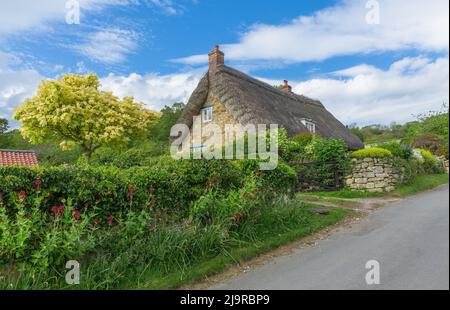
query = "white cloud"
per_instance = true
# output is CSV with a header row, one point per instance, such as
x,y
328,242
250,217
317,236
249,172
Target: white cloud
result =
x,y
109,45
153,89
19,15
168,6
343,30
366,95
7,59
363,94
15,87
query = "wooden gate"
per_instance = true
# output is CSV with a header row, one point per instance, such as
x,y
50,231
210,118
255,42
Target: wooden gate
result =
x,y
320,176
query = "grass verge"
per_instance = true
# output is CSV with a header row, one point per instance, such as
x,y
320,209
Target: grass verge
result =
x,y
130,256
268,236
419,184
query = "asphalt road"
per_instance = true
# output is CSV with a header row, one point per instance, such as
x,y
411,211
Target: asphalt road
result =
x,y
409,239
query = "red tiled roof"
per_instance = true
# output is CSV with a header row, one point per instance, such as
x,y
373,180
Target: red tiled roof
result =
x,y
15,157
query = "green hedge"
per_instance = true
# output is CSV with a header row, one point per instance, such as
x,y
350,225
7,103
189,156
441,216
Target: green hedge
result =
x,y
167,183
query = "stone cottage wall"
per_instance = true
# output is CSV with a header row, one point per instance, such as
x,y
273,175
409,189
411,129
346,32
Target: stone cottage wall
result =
x,y
220,116
373,175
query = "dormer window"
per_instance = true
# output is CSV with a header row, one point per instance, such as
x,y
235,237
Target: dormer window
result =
x,y
207,114
309,124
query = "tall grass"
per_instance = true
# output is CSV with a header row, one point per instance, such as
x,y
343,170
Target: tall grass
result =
x,y
137,254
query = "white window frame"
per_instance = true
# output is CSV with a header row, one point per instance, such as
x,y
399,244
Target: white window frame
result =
x,y
207,114
309,124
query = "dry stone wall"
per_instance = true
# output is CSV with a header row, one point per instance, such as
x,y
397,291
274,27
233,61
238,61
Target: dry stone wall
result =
x,y
373,175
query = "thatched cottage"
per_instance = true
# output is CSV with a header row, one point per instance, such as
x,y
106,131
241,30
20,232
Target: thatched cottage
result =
x,y
226,96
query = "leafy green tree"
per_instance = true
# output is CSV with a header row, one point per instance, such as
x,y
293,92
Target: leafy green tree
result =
x,y
3,125
428,141
160,130
74,112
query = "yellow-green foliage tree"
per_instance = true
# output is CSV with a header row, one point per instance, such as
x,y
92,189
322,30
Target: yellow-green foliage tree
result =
x,y
73,111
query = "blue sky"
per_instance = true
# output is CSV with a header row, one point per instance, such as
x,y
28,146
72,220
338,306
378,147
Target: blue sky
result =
x,y
364,70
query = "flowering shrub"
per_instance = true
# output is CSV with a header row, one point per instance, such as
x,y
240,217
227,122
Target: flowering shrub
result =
x,y
40,239
372,152
430,162
168,184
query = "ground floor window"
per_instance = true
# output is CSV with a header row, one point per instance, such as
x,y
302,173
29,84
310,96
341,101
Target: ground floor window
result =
x,y
207,114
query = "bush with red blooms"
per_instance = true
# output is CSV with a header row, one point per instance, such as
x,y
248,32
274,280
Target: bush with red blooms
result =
x,y
174,184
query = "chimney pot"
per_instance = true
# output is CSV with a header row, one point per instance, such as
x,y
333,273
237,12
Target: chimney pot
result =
x,y
216,58
286,86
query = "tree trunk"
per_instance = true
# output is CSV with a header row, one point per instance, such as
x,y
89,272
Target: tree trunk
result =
x,y
88,156
88,153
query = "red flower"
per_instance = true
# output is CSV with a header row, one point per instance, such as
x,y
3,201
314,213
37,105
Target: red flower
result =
x,y
76,214
79,222
22,194
38,182
61,209
132,189
214,181
54,209
51,216
59,215
238,217
110,220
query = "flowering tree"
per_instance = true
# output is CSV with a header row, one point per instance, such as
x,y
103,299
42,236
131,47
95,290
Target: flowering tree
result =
x,y
74,111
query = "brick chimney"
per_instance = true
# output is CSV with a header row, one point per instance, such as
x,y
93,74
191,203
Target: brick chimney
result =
x,y
286,86
216,58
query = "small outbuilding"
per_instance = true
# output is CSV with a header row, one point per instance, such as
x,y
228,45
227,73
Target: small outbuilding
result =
x,y
18,158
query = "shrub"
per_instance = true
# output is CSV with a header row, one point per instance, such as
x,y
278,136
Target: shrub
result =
x,y
135,156
43,239
175,184
168,184
106,187
398,149
227,208
328,150
408,169
295,151
280,181
372,152
430,162
429,141
443,150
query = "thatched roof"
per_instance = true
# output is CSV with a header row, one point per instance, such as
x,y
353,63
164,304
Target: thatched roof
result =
x,y
251,101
